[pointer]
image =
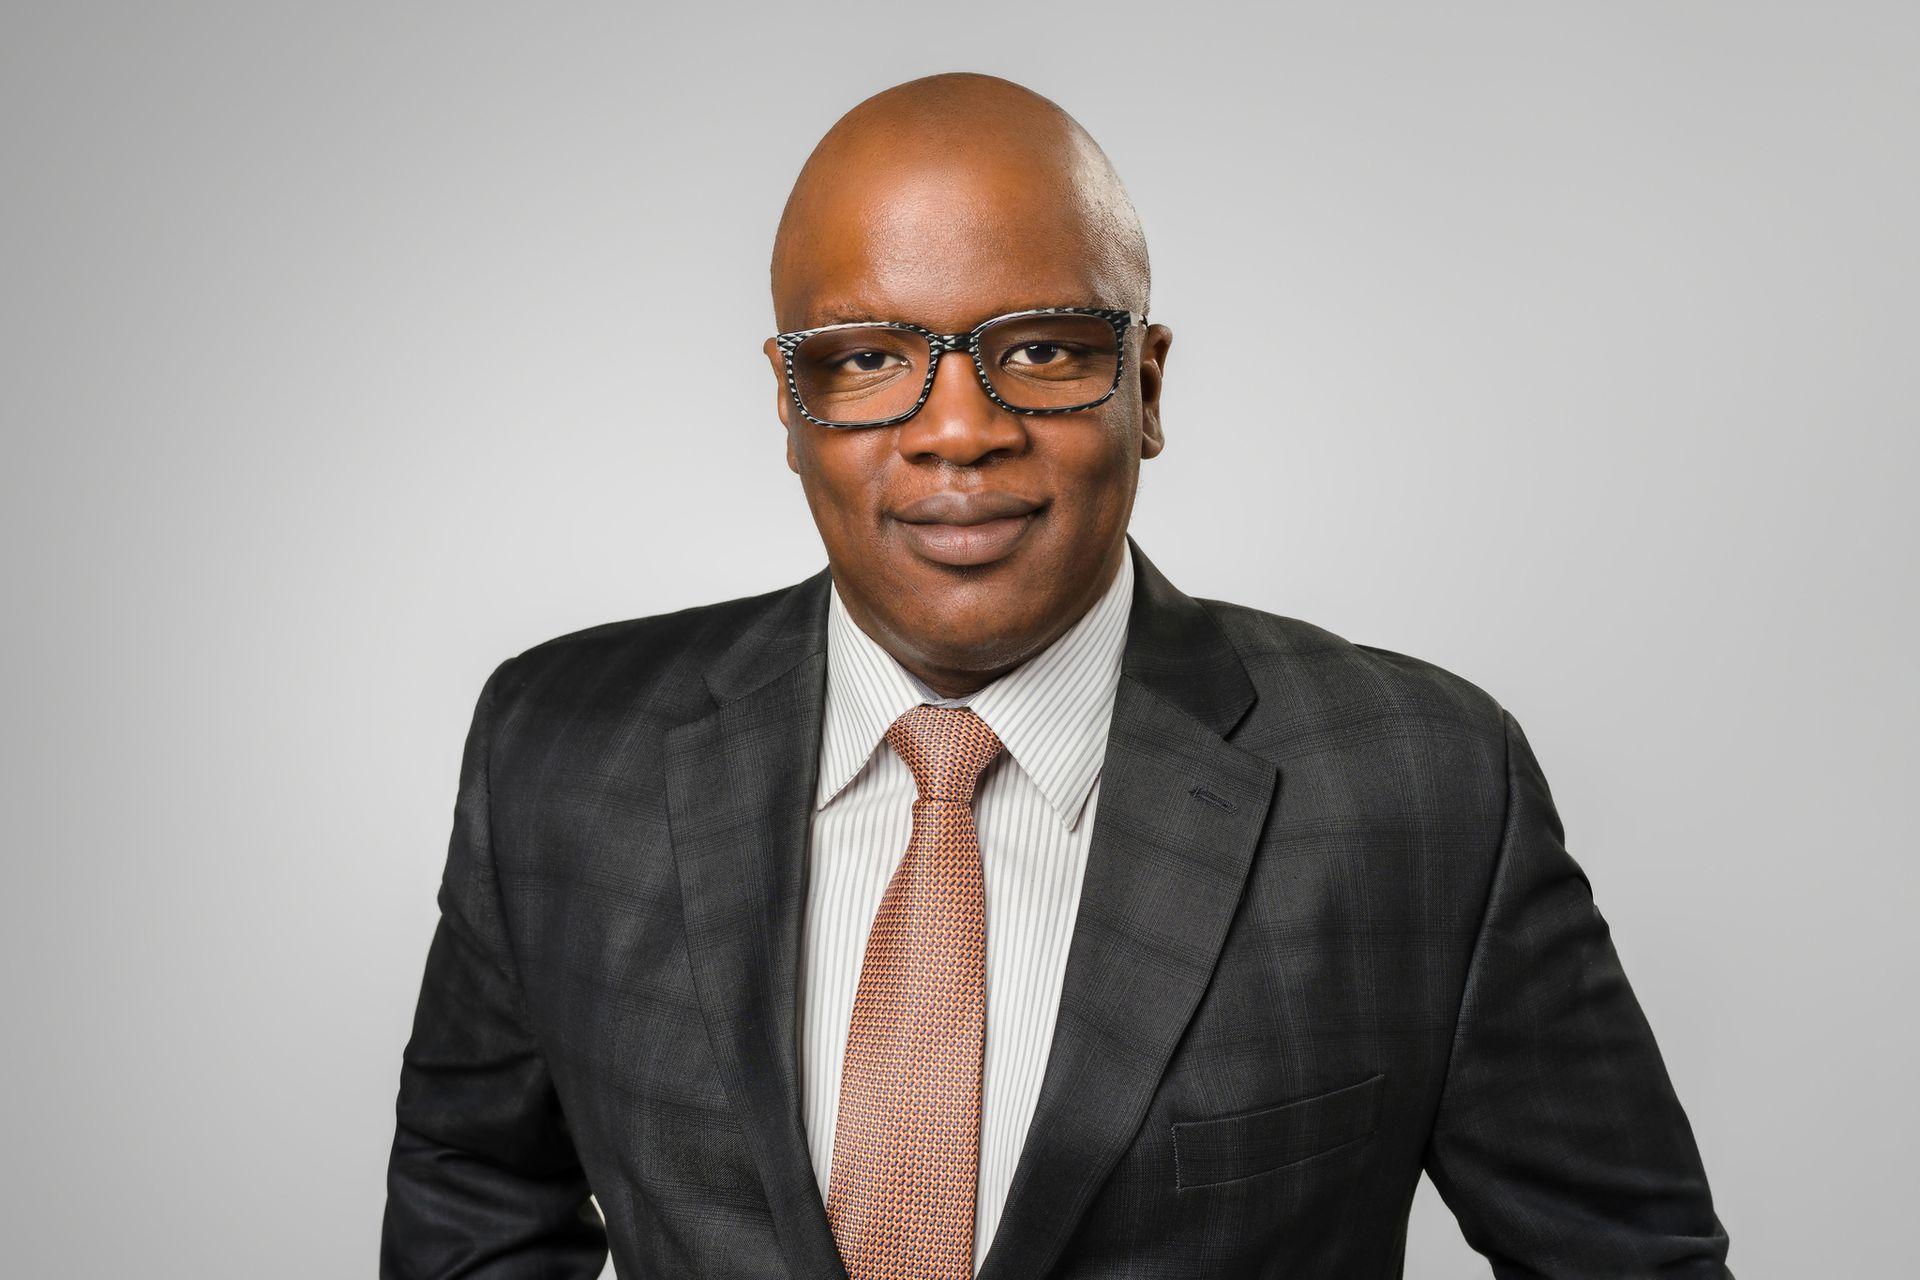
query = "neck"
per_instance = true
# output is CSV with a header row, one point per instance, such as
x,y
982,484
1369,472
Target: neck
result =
x,y
955,683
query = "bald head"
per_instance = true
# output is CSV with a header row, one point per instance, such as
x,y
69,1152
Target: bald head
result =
x,y
926,185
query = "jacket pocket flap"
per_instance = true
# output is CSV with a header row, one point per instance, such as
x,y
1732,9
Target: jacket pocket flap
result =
x,y
1252,1142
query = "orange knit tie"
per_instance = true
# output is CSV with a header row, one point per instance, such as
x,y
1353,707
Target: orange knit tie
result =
x,y
906,1145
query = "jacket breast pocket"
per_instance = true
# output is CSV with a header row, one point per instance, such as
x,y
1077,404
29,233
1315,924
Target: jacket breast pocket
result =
x,y
1247,1143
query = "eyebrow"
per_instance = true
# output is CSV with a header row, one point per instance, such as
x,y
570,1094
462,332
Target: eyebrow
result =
x,y
843,313
848,315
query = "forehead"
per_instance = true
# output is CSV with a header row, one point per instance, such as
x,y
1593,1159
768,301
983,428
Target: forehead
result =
x,y
944,248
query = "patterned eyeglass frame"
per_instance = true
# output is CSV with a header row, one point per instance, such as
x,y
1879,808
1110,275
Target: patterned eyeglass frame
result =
x,y
941,343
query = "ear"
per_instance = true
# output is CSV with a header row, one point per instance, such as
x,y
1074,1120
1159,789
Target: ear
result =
x,y
782,401
1153,365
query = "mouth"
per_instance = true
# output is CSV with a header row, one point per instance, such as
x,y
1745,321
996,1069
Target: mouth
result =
x,y
967,529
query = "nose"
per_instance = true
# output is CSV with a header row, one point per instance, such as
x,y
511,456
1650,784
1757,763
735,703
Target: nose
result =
x,y
959,424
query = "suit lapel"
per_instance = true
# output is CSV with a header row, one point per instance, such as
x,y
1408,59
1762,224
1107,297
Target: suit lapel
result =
x,y
740,786
1180,814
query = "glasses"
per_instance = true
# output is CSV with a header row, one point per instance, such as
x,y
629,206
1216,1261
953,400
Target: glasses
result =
x,y
879,372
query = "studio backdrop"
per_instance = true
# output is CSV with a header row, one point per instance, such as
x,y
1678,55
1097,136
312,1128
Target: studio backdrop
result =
x,y
349,349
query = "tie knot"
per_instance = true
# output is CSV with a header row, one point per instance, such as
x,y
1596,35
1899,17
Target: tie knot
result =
x,y
947,748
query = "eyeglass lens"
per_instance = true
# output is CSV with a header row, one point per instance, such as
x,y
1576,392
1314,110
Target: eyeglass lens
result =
x,y
862,375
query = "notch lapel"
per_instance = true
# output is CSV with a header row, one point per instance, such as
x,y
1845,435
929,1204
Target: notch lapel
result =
x,y
739,784
1180,815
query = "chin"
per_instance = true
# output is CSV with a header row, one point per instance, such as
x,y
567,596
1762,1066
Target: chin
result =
x,y
968,643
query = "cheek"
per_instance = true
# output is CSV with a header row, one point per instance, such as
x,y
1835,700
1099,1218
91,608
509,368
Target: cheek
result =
x,y
1096,469
842,475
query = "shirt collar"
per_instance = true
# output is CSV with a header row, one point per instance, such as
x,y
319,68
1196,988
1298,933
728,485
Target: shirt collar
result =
x,y
1051,712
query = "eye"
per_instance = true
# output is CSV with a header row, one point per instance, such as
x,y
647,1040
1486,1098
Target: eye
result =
x,y
1037,353
868,361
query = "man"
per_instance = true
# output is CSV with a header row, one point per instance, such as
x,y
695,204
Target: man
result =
x,y
983,901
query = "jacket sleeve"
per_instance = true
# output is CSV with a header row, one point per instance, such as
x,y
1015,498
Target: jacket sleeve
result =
x,y
483,1180
1558,1142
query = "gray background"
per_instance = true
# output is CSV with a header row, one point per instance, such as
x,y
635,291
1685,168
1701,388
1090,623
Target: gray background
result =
x,y
348,350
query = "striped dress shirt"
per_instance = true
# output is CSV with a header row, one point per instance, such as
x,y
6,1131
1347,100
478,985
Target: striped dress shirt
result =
x,y
1034,811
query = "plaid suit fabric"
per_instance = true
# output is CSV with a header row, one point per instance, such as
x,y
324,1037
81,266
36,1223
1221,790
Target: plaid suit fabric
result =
x,y
1330,936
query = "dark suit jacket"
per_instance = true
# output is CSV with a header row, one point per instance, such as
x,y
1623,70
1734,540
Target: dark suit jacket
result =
x,y
1329,937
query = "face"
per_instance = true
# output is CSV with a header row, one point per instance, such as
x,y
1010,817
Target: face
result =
x,y
969,537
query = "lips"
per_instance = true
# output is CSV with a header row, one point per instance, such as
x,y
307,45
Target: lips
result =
x,y
967,528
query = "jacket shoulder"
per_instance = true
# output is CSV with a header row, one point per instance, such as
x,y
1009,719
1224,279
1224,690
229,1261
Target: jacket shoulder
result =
x,y
1313,673
654,663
